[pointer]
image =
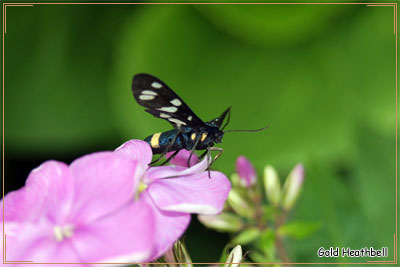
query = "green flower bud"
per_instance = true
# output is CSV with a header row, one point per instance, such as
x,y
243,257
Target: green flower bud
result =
x,y
235,180
292,187
239,204
235,257
224,222
272,185
178,254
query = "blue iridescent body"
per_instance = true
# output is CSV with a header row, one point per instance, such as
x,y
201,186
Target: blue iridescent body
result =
x,y
185,138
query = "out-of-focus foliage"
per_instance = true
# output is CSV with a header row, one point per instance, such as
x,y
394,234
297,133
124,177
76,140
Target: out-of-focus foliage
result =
x,y
57,64
323,76
258,221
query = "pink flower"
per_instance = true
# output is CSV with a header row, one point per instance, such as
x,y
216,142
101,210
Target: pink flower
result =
x,y
79,213
174,192
246,171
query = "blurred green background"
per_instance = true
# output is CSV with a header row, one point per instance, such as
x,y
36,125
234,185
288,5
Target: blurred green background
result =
x,y
322,75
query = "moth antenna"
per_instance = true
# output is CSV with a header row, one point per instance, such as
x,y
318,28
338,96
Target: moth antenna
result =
x,y
227,121
257,130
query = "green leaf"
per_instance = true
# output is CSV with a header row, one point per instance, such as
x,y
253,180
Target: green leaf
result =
x,y
267,242
247,236
269,25
224,254
224,222
56,76
299,229
257,257
374,183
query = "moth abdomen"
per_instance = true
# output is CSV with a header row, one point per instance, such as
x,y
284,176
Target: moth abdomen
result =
x,y
160,141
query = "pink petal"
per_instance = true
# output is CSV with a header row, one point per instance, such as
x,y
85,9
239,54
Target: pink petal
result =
x,y
35,242
124,237
137,150
104,182
48,192
246,171
193,194
160,172
12,230
22,205
182,157
170,226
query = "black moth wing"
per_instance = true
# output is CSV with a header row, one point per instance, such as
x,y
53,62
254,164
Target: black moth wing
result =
x,y
160,101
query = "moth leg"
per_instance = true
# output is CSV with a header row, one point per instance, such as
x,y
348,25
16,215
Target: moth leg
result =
x,y
202,155
193,148
156,160
220,150
170,157
166,150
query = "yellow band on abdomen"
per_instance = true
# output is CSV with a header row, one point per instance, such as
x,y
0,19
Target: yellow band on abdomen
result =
x,y
154,142
203,136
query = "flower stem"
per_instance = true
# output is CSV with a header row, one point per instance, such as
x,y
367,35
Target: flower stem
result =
x,y
279,240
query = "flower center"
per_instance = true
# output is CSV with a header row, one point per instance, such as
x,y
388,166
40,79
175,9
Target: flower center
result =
x,y
142,187
62,232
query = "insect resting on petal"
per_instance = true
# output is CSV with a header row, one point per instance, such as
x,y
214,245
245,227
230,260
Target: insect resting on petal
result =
x,y
190,132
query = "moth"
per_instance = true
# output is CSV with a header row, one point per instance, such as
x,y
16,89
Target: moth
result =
x,y
189,131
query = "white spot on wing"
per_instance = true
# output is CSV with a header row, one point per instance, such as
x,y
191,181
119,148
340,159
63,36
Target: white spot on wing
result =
x,y
190,118
156,85
148,92
176,102
168,109
163,115
176,121
146,97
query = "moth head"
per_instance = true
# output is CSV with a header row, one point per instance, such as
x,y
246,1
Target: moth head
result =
x,y
218,136
217,122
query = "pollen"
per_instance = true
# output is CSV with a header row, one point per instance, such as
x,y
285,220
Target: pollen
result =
x,y
142,187
60,233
